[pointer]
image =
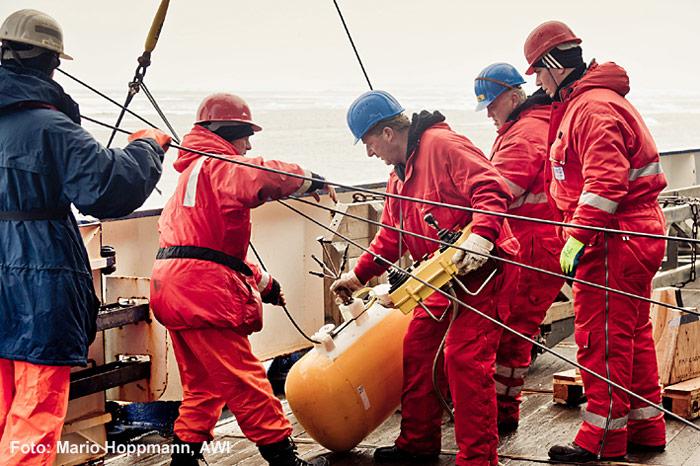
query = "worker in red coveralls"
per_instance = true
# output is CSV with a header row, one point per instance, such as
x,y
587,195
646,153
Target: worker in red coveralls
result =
x,y
433,162
206,293
519,153
604,171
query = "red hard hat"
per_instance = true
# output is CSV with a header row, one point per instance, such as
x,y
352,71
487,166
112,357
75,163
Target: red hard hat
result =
x,y
225,107
544,38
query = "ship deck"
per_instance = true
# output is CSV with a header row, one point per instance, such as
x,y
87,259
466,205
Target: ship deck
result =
x,y
542,425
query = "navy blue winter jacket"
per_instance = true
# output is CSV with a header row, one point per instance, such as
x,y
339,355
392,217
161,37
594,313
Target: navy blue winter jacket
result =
x,y
47,162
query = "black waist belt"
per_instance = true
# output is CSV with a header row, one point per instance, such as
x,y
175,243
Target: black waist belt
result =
x,y
205,254
34,215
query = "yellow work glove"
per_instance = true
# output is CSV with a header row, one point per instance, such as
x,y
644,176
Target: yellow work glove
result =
x,y
570,255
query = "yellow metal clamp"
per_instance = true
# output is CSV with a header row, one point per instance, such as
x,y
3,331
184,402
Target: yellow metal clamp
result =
x,y
437,270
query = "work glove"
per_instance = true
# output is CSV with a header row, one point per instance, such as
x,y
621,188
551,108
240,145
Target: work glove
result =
x,y
570,255
319,185
162,139
346,284
274,295
468,261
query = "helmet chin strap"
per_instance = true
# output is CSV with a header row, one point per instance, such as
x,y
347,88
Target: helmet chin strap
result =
x,y
556,91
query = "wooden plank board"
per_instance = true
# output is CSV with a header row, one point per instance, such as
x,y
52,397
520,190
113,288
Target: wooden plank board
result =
x,y
676,335
567,388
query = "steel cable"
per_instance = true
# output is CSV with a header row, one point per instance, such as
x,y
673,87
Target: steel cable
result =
x,y
497,322
501,259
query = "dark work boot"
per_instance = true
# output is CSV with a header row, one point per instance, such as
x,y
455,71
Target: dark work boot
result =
x,y
507,427
642,448
284,453
394,454
188,453
575,454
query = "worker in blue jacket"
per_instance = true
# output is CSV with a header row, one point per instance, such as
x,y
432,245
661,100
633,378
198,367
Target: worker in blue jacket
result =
x,y
48,162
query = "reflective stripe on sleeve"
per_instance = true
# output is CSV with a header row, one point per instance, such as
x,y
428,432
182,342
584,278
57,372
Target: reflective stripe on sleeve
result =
x,y
514,188
599,421
191,189
653,168
264,281
599,202
531,198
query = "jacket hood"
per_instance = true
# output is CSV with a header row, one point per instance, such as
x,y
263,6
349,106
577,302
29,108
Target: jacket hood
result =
x,y
606,76
201,139
19,85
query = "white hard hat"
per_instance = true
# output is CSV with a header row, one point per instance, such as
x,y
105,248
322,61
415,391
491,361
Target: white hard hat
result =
x,y
34,28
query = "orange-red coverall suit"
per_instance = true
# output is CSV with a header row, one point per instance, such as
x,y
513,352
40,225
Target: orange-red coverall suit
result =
x,y
209,308
519,153
605,172
446,167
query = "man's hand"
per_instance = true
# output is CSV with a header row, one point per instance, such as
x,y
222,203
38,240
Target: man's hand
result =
x,y
319,185
274,296
570,255
346,285
157,135
468,261
332,194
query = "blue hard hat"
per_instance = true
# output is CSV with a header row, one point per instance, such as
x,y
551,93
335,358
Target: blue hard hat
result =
x,y
369,109
493,80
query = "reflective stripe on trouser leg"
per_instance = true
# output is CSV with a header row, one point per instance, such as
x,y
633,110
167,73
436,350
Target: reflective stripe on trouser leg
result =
x,y
503,389
639,414
36,415
421,411
511,372
602,421
646,424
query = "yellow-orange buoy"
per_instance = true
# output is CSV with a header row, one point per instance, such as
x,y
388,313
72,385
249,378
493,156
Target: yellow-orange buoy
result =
x,y
345,387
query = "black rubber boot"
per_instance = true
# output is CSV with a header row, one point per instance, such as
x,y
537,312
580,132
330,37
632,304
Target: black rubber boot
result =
x,y
507,427
189,454
394,454
574,453
284,453
641,448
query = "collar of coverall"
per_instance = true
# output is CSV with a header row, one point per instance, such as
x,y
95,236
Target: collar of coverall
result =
x,y
574,76
419,123
539,97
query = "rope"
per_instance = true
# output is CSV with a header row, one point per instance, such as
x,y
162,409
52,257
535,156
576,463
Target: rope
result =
x,y
352,43
504,260
109,99
159,111
496,321
417,235
459,302
284,306
380,194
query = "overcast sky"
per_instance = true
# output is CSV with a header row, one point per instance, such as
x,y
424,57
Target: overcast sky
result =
x,y
300,45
